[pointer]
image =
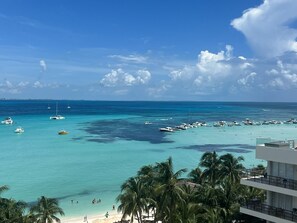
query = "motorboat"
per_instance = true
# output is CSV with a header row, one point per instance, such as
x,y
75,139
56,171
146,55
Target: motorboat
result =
x,y
63,132
166,129
7,121
19,130
147,123
57,117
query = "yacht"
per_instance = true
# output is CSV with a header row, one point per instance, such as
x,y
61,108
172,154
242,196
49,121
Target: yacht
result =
x,y
19,130
7,121
166,129
57,117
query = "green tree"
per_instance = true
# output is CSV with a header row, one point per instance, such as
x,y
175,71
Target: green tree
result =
x,y
211,163
133,199
169,190
12,211
231,167
46,210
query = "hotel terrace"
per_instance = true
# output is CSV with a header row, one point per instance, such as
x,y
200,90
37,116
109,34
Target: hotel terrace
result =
x,y
279,181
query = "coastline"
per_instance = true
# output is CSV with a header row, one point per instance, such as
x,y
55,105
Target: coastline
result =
x,y
100,218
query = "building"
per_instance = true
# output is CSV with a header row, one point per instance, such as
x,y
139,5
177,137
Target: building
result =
x,y
280,182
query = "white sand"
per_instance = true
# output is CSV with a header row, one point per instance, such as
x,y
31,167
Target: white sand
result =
x,y
100,218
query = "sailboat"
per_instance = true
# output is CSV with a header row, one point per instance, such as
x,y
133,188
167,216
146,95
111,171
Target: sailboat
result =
x,y
57,117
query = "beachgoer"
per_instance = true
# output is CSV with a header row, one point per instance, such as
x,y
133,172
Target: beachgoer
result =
x,y
86,218
106,215
113,207
71,201
99,200
77,202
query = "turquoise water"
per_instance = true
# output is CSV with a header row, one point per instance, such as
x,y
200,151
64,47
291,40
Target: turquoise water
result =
x,y
108,142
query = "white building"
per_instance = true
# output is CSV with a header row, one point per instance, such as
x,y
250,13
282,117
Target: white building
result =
x,y
280,182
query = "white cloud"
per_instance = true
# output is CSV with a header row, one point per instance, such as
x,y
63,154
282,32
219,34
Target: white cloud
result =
x,y
185,73
276,83
42,64
130,58
121,78
143,76
242,58
37,84
214,64
23,84
249,79
266,27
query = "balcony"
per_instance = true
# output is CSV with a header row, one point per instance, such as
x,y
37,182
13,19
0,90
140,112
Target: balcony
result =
x,y
269,213
271,183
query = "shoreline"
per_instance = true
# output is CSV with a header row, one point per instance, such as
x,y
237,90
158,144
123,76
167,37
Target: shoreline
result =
x,y
100,218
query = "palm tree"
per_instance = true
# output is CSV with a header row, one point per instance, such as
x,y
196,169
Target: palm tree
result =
x,y
195,176
12,211
231,167
169,190
46,210
211,162
133,199
3,189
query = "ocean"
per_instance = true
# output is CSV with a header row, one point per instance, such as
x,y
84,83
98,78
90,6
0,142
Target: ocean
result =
x,y
108,142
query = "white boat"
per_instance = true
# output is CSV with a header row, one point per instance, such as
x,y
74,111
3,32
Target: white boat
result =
x,y
7,121
57,117
19,130
166,129
148,123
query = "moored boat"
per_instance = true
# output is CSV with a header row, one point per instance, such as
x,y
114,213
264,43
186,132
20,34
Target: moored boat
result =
x,y
166,129
7,121
63,132
19,130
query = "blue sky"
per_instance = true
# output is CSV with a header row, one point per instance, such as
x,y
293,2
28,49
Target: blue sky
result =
x,y
233,50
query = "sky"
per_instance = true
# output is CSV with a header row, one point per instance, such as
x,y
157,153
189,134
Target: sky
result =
x,y
169,50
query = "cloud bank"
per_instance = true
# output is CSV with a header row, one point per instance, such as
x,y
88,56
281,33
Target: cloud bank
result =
x,y
267,27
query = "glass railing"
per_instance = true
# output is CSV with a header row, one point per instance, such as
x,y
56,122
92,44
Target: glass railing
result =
x,y
260,177
272,211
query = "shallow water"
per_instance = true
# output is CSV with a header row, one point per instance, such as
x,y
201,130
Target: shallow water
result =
x,y
108,142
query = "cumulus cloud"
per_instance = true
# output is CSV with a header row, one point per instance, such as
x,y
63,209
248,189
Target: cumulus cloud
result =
x,y
38,84
42,65
214,64
266,27
121,78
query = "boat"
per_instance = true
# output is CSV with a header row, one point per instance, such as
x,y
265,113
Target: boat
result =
x,y
166,129
57,117
148,123
19,130
7,121
63,132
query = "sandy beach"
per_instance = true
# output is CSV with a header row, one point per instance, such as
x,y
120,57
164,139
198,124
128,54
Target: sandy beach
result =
x,y
100,218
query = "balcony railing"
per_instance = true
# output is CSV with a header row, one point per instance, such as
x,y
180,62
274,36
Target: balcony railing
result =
x,y
273,211
259,177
